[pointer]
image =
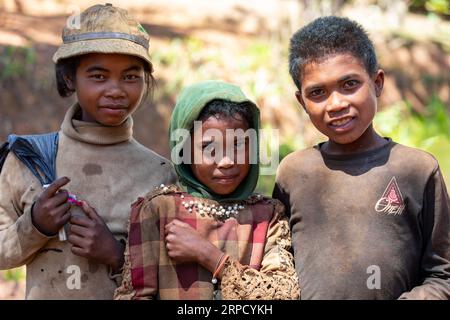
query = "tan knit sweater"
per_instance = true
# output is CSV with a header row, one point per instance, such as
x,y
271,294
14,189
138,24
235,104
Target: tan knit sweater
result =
x,y
107,168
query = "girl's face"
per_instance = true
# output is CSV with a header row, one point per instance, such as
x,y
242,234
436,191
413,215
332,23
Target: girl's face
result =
x,y
221,170
109,87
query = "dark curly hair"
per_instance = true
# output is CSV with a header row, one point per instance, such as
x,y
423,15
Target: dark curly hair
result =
x,y
227,109
68,67
328,36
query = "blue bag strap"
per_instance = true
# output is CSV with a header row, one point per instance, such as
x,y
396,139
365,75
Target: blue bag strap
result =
x,y
4,150
36,152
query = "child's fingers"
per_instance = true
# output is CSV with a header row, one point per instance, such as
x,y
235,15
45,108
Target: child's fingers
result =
x,y
90,212
61,210
79,251
54,187
168,246
176,223
168,230
58,199
66,217
180,223
78,231
171,228
81,221
170,238
77,241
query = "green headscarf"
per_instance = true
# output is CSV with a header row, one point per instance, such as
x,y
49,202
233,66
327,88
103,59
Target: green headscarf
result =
x,y
190,103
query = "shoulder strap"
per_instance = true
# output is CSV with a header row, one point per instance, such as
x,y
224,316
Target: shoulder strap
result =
x,y
36,152
4,150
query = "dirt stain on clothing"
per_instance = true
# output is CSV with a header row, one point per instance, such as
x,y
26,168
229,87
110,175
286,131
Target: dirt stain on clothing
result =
x,y
92,169
84,278
93,267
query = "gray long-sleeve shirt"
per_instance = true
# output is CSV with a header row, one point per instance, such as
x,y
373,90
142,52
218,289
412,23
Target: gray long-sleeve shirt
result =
x,y
374,225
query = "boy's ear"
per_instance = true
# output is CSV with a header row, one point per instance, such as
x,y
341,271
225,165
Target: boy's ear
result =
x,y
69,82
298,95
379,82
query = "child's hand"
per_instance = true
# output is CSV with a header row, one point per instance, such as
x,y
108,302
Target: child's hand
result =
x,y
184,244
51,210
92,239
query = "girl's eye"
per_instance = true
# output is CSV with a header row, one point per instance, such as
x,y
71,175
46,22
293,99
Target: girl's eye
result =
x,y
131,77
208,147
316,93
351,84
98,77
209,151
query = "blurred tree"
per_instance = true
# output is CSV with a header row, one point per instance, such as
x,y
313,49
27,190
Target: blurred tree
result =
x,y
441,7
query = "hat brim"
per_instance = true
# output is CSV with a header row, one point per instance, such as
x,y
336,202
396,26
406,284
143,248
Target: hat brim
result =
x,y
119,46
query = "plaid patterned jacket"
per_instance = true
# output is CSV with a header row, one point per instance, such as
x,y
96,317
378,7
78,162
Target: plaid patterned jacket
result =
x,y
257,240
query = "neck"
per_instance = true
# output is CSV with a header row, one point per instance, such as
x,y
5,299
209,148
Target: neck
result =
x,y
86,117
368,140
92,132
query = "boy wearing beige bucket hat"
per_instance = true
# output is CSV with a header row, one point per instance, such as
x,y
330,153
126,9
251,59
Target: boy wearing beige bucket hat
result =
x,y
104,60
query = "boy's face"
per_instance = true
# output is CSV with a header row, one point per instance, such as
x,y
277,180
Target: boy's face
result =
x,y
340,97
109,87
220,170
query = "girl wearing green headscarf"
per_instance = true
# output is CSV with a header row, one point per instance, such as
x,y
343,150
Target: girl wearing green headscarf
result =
x,y
211,236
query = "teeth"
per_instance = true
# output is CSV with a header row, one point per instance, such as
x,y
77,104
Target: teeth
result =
x,y
341,122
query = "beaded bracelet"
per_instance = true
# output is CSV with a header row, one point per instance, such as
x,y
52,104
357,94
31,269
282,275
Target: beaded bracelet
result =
x,y
219,267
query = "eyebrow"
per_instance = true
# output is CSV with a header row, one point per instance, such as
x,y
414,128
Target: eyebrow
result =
x,y
341,79
96,68
133,68
99,68
347,76
314,87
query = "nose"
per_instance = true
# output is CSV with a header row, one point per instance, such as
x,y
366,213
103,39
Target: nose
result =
x,y
114,90
225,162
336,102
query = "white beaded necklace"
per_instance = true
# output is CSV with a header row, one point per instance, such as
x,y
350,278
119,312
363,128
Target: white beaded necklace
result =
x,y
215,211
218,212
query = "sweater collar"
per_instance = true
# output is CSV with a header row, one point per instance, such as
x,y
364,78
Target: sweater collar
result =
x,y
95,133
364,156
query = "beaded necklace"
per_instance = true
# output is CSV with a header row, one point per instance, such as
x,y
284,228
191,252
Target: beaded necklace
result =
x,y
220,212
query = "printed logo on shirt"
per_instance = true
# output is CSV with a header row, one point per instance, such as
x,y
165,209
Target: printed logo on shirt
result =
x,y
391,202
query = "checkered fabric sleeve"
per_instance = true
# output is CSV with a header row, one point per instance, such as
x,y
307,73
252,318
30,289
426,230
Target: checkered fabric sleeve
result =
x,y
276,279
127,291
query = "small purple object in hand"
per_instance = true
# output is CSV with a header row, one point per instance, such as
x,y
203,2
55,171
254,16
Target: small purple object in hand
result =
x,y
73,200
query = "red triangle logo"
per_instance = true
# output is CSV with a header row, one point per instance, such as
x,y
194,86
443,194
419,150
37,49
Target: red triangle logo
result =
x,y
391,202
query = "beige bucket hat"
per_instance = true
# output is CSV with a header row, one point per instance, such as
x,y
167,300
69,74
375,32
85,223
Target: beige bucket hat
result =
x,y
104,29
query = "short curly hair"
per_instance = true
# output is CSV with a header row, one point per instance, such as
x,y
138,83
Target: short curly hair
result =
x,y
227,109
329,36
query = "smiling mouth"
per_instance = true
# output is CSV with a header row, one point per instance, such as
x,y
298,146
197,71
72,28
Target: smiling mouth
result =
x,y
226,179
115,107
341,122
